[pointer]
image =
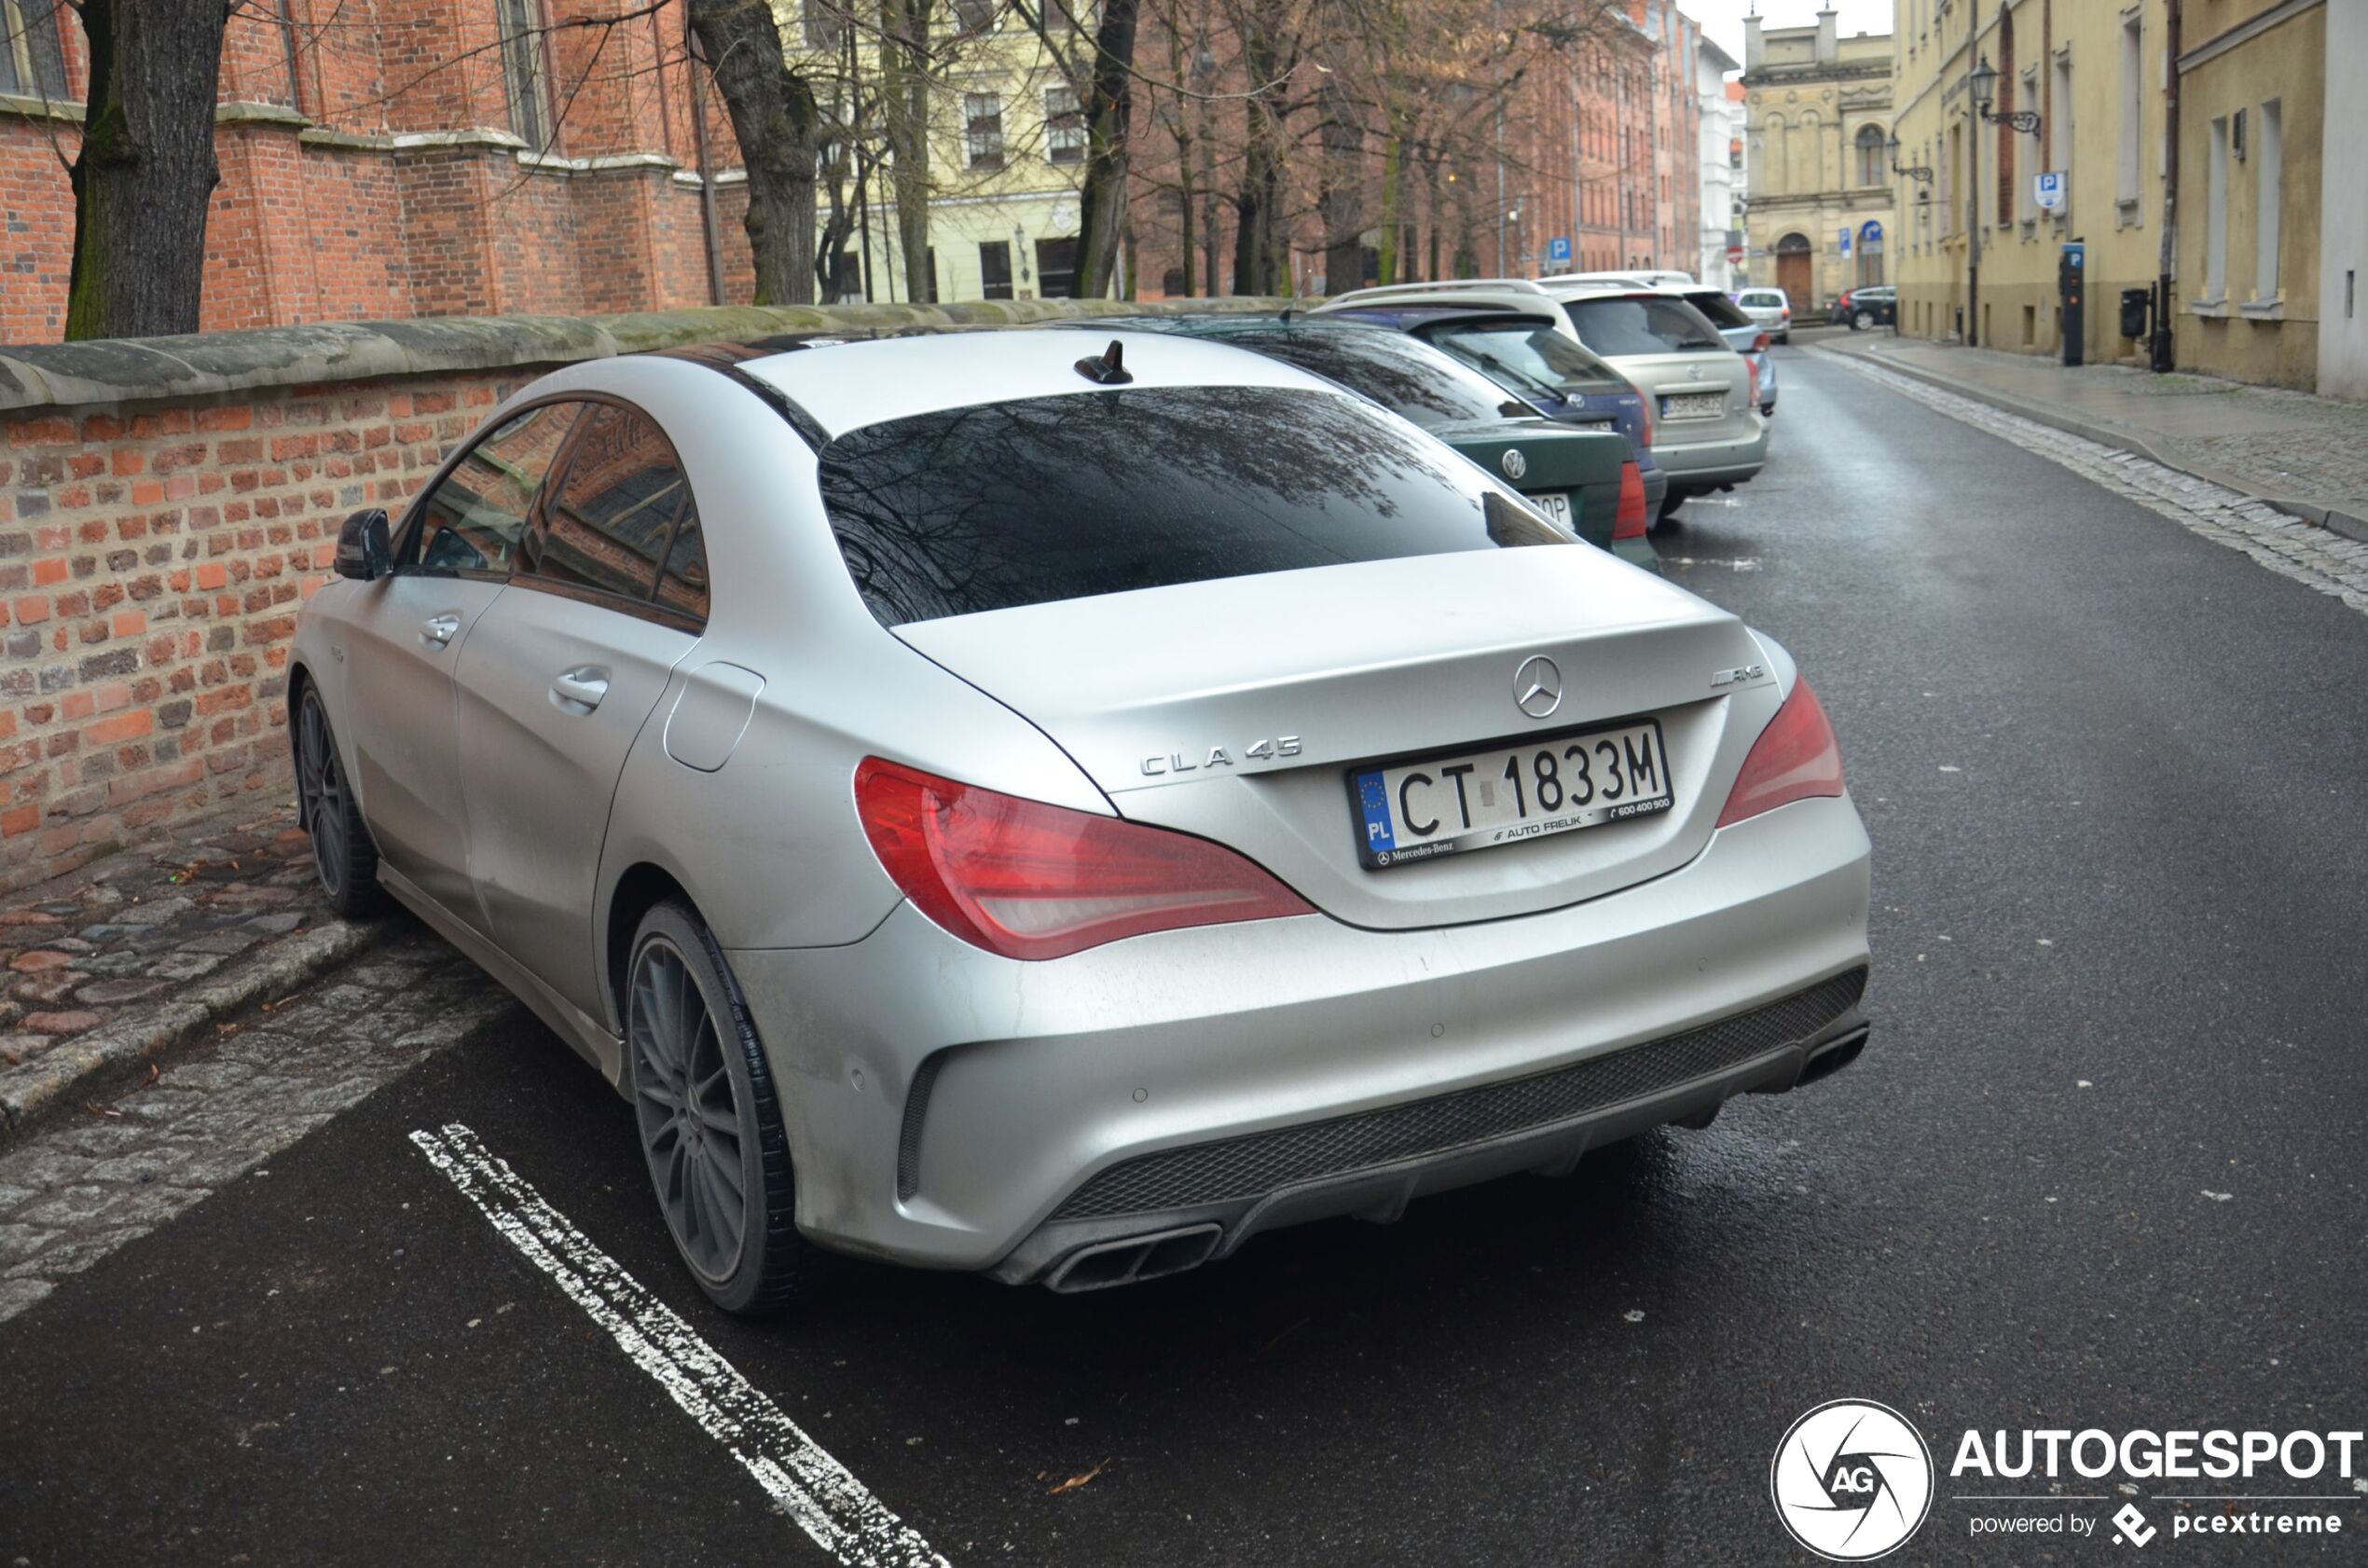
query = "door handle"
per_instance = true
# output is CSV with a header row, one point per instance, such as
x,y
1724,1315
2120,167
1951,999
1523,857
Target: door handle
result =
x,y
437,630
580,689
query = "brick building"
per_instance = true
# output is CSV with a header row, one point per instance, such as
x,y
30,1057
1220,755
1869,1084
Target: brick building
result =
x,y
388,159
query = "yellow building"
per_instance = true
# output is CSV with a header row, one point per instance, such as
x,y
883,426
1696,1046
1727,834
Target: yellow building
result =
x,y
1818,110
1007,149
2077,98
2252,87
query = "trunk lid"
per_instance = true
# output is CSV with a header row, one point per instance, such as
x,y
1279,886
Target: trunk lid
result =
x,y
1583,464
1394,659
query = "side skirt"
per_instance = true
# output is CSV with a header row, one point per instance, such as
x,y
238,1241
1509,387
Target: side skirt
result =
x,y
589,1039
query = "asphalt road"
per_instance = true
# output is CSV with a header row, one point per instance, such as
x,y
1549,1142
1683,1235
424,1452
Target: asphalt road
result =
x,y
2101,1166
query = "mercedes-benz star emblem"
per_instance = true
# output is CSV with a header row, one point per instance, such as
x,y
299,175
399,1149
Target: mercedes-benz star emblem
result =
x,y
1538,686
1515,464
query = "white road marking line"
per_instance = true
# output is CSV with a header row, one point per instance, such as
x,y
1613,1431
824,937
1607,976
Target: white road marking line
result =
x,y
815,1489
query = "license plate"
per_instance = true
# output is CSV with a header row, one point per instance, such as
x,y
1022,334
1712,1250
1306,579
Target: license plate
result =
x,y
1556,504
1693,405
1414,810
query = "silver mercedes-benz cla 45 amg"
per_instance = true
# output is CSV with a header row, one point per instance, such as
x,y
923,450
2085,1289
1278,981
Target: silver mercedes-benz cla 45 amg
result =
x,y
997,810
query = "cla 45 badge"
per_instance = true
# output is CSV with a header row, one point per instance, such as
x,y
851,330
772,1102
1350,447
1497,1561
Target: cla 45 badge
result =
x,y
1264,750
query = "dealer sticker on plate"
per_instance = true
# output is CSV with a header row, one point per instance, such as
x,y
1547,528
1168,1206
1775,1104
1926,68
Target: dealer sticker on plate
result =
x,y
1414,810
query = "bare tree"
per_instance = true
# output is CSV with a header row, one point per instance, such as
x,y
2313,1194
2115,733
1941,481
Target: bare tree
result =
x,y
775,116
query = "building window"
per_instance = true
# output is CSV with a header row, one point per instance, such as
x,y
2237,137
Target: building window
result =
x,y
975,16
1870,155
1056,268
2026,198
995,268
2133,69
2270,194
825,24
2216,215
32,61
1064,126
983,130
522,71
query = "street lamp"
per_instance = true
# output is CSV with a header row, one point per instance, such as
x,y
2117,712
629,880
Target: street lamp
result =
x,y
1984,84
1919,173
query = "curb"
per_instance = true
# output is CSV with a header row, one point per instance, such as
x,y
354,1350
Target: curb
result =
x,y
74,1071
2334,521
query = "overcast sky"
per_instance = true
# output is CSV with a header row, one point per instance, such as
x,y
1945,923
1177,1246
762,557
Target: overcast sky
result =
x,y
1722,20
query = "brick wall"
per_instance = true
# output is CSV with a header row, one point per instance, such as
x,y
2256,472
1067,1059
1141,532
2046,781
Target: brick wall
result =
x,y
152,564
156,543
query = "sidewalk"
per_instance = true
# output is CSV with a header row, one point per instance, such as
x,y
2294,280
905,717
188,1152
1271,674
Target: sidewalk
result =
x,y
149,949
2306,456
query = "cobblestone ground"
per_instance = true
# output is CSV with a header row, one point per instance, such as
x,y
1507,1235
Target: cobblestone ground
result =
x,y
126,932
2321,560
2321,453
69,1196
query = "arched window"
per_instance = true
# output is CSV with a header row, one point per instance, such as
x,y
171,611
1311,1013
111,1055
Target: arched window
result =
x,y
1870,155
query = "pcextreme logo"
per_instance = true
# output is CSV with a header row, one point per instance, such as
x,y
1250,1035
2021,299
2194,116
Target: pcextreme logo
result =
x,y
1852,1480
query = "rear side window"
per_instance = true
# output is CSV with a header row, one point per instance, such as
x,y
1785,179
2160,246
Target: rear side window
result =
x,y
682,586
1641,323
608,524
1012,504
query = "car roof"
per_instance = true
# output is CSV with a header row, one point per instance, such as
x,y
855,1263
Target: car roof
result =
x,y
1517,294
846,386
1444,313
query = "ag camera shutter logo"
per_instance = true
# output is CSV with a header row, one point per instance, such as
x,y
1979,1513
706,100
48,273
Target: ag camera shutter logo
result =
x,y
1852,1481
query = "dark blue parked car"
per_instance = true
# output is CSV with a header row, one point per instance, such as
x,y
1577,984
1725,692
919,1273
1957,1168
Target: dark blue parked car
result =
x,y
1528,356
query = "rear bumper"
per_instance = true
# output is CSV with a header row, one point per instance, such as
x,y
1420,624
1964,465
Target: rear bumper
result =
x,y
1172,1210
948,1107
1697,465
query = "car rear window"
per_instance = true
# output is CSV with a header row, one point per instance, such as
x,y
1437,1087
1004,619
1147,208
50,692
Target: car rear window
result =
x,y
1641,323
1762,297
1718,308
1102,492
1403,375
1535,356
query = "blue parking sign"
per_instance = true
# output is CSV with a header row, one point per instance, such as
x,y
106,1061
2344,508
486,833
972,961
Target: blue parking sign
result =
x,y
1558,248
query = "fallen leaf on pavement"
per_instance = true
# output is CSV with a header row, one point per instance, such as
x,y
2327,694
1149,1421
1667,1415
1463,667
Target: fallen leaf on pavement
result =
x,y
1074,1482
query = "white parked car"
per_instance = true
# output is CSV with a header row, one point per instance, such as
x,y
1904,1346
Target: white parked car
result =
x,y
1770,309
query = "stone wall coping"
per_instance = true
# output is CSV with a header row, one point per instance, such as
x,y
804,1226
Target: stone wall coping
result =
x,y
107,373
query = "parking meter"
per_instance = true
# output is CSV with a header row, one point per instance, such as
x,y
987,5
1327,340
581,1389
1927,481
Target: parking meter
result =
x,y
2071,287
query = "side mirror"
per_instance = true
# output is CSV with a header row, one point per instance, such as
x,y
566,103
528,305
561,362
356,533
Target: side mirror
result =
x,y
364,550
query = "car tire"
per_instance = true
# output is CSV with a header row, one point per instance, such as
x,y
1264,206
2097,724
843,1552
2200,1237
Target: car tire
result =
x,y
1862,320
344,856
1670,503
708,1119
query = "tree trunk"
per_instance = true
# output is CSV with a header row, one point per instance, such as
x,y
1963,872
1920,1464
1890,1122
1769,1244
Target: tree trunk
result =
x,y
146,172
1340,201
904,98
1260,196
774,117
1109,119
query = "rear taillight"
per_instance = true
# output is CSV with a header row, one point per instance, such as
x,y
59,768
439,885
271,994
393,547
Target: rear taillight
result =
x,y
1759,344
1028,880
1645,408
1787,312
1631,523
1751,368
1795,757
